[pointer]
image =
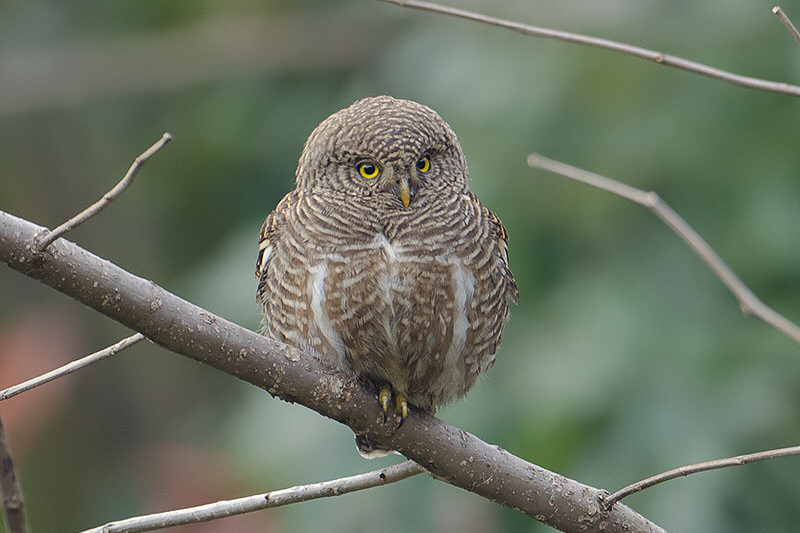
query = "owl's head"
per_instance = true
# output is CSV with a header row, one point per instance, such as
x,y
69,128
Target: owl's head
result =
x,y
397,149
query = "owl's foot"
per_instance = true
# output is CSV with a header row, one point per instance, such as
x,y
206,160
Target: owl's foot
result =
x,y
401,403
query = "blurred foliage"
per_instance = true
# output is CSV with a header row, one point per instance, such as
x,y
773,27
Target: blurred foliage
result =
x,y
625,357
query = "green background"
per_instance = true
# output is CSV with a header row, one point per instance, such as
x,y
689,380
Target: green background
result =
x,y
625,357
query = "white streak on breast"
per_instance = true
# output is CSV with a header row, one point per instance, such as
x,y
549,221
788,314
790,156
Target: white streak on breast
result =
x,y
391,250
389,284
316,293
463,284
390,279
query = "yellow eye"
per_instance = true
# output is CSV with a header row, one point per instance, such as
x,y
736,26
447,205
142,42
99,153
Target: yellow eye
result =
x,y
368,169
423,163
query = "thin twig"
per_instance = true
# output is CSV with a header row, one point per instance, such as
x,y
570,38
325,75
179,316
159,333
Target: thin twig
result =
x,y
70,367
13,503
44,240
657,57
277,498
786,22
748,301
698,467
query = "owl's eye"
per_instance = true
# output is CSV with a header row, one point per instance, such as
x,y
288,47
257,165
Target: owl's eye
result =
x,y
368,169
423,164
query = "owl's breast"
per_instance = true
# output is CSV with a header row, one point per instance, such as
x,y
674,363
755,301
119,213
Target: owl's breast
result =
x,y
415,301
407,317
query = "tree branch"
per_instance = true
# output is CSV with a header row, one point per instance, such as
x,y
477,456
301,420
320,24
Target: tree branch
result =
x,y
605,44
44,240
276,498
696,468
10,491
748,301
69,368
787,22
448,453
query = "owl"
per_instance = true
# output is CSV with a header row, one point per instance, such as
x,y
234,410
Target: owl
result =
x,y
382,263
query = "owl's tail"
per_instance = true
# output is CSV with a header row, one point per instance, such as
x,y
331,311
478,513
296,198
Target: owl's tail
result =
x,y
369,449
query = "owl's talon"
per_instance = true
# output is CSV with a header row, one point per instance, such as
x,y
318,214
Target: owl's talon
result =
x,y
385,397
401,406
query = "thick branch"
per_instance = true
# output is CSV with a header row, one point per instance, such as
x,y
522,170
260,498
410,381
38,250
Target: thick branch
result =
x,y
449,453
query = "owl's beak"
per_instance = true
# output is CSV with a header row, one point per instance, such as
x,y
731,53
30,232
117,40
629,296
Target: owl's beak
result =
x,y
404,189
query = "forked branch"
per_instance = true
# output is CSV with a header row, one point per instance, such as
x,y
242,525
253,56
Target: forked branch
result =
x,y
448,453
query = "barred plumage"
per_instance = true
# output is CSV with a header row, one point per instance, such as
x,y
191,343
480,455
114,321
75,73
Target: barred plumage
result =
x,y
381,261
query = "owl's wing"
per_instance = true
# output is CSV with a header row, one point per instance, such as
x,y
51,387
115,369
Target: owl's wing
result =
x,y
269,229
267,238
512,293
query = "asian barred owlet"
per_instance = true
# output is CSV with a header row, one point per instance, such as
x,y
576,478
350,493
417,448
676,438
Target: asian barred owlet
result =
x,y
382,262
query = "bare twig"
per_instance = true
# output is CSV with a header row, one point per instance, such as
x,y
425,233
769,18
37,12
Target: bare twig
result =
x,y
651,55
277,498
70,367
748,301
43,241
13,503
698,467
786,22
